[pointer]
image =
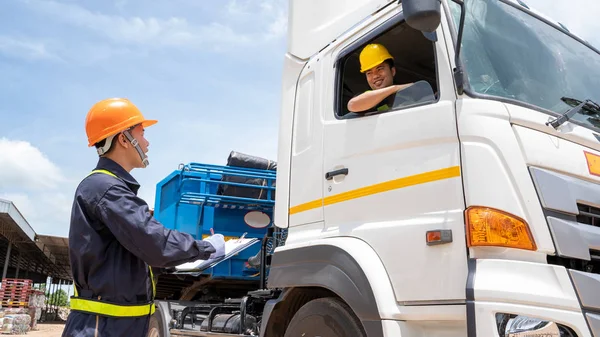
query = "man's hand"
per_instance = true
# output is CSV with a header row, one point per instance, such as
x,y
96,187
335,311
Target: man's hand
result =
x,y
218,242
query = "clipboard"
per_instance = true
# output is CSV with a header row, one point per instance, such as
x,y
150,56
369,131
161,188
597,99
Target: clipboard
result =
x,y
232,247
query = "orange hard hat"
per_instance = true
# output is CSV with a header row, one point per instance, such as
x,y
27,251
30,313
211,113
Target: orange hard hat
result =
x,y
111,116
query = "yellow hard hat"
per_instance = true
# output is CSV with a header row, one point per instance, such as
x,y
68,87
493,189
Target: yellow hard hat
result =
x,y
373,55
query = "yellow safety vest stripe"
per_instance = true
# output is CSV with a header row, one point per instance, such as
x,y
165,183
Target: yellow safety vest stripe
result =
x,y
103,171
109,309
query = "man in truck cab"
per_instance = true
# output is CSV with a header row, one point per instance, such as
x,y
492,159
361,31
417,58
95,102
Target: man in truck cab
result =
x,y
378,66
114,241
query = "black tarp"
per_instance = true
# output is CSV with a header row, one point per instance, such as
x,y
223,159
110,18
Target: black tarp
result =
x,y
238,159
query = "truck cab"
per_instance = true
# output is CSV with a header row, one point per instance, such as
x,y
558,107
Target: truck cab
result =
x,y
469,207
470,211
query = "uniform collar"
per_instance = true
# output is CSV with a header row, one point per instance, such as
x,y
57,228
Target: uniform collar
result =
x,y
111,166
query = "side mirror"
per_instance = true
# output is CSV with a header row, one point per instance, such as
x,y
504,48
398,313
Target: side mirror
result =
x,y
423,15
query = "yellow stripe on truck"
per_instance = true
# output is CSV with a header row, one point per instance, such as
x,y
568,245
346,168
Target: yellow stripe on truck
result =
x,y
422,178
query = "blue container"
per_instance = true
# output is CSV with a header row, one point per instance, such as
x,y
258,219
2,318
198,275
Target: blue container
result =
x,y
199,197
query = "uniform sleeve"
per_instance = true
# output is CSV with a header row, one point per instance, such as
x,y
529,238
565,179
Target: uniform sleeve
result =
x,y
128,218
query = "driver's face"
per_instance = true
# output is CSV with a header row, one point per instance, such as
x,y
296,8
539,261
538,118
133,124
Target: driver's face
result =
x,y
381,76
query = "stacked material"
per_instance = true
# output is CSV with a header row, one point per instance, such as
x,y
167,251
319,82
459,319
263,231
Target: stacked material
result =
x,y
37,301
63,313
14,293
15,321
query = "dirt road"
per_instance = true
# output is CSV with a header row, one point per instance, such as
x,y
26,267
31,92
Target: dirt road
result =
x,y
45,330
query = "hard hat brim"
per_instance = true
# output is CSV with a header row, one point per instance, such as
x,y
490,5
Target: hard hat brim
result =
x,y
364,70
149,122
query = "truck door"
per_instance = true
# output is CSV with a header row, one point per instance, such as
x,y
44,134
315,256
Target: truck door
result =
x,y
306,152
390,177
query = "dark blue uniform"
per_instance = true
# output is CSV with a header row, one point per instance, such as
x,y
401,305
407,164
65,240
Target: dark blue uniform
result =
x,y
112,240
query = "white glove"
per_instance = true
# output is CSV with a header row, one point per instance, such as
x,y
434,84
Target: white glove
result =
x,y
218,242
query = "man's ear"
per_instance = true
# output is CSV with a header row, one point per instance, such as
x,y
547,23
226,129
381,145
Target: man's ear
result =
x,y
393,71
123,141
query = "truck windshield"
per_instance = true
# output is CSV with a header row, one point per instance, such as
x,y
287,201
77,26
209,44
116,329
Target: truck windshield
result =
x,y
511,54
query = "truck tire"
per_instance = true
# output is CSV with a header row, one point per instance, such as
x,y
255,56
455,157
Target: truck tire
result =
x,y
155,328
325,317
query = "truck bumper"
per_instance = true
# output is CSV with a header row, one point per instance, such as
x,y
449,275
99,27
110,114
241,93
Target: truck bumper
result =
x,y
536,290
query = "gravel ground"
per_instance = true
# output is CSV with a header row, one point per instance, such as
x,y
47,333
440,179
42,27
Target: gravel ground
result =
x,y
45,330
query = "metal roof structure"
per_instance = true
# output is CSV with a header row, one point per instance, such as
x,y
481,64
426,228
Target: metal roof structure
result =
x,y
57,249
9,217
30,255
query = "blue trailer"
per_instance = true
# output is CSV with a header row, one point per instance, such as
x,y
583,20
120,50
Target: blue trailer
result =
x,y
235,200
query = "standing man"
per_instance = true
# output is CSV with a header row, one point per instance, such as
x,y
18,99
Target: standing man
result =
x,y
378,66
114,242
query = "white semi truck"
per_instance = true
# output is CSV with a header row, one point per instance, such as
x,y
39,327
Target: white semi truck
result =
x,y
469,208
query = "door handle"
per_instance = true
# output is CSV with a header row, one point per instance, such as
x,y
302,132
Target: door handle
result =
x,y
329,175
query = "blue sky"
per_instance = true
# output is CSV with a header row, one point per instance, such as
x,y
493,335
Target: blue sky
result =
x,y
209,71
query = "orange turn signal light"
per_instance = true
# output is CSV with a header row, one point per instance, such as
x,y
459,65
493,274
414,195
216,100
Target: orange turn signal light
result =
x,y
438,237
491,227
434,236
593,162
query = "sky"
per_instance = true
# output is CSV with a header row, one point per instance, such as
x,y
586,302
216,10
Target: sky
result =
x,y
209,71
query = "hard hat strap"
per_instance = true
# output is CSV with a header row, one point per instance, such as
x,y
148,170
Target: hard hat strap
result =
x,y
102,150
136,145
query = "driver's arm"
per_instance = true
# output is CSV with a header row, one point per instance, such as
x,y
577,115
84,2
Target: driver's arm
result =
x,y
369,99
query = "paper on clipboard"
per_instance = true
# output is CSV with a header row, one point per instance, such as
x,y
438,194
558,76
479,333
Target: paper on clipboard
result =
x,y
232,247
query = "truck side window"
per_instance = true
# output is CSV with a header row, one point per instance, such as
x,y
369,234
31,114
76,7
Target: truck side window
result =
x,y
393,71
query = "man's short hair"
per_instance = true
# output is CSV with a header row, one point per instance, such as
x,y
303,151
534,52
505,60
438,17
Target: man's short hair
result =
x,y
390,63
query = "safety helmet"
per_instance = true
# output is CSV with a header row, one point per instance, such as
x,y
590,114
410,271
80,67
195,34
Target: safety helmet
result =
x,y
373,55
111,116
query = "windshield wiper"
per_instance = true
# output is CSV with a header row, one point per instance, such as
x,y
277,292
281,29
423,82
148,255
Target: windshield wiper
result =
x,y
588,105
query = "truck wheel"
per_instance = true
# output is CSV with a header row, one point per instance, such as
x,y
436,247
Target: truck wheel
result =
x,y
324,317
155,328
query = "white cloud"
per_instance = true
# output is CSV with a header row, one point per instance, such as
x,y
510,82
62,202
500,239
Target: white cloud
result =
x,y
272,11
24,48
23,204
24,166
169,32
278,27
36,186
47,213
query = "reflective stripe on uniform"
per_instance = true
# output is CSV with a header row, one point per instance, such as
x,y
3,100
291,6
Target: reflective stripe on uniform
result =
x,y
103,171
111,310
99,307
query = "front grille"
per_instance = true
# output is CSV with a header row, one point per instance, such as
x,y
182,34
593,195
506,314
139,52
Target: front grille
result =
x,y
588,215
592,266
575,230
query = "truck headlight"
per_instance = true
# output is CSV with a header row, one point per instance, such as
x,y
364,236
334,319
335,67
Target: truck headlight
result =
x,y
523,326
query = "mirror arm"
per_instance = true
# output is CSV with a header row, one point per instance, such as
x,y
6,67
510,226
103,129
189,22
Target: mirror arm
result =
x,y
458,71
